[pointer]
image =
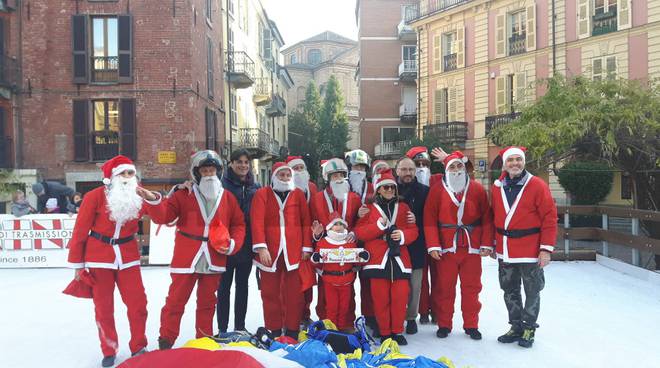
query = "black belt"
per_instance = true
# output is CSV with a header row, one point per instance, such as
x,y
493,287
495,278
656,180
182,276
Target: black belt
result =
x,y
521,233
468,227
194,237
338,273
109,240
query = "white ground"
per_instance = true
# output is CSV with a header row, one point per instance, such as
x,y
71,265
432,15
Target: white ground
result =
x,y
591,316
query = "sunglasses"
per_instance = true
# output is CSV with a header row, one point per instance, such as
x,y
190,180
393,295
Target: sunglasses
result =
x,y
421,164
389,187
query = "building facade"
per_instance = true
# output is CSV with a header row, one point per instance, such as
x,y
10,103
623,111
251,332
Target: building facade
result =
x,y
387,76
316,59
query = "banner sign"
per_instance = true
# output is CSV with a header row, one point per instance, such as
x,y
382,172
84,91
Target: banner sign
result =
x,y
161,244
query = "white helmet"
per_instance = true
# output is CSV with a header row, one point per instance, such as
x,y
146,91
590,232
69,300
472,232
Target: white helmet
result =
x,y
332,166
205,158
357,157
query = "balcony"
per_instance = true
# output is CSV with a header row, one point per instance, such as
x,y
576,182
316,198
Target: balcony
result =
x,y
240,69
105,145
6,161
262,94
452,134
408,70
517,44
604,23
9,74
449,62
496,121
408,113
428,8
277,106
406,32
256,141
105,69
388,150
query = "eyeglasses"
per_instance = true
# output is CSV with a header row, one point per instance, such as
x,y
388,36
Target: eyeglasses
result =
x,y
389,187
421,164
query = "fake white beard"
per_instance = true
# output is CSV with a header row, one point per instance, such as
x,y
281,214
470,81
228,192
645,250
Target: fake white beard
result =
x,y
209,187
339,189
357,179
301,180
123,202
283,186
337,236
423,175
456,181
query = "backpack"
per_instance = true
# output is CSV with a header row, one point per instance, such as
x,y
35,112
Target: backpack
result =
x,y
342,342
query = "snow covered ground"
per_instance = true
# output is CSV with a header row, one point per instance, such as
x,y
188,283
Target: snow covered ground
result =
x,y
591,316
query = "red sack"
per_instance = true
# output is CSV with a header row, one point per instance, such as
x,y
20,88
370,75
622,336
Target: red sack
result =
x,y
307,275
286,340
81,288
219,237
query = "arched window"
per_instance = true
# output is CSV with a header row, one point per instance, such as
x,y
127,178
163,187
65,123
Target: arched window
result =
x,y
314,56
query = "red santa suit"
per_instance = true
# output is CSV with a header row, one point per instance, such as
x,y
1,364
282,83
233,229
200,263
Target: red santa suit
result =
x,y
458,225
191,243
111,253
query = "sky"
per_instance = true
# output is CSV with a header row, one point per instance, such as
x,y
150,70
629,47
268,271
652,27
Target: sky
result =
x,y
301,19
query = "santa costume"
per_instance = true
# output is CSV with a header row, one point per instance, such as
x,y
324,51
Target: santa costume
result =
x,y
196,261
281,225
104,242
301,178
458,224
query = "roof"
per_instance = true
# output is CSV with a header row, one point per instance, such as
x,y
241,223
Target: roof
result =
x,y
327,36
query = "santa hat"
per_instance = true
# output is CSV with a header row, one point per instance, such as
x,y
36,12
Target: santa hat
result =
x,y
280,166
116,166
418,153
335,218
295,160
505,154
456,156
378,164
386,178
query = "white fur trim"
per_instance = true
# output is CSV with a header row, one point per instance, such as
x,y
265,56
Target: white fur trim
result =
x,y
255,247
107,181
488,247
121,168
157,201
75,265
232,245
439,249
281,168
334,221
295,162
308,249
511,152
384,182
498,183
549,248
381,226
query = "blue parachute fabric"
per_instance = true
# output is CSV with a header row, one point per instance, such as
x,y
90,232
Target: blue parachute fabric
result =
x,y
309,354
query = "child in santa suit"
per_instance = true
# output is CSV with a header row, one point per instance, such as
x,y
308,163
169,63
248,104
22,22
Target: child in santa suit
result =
x,y
104,242
458,229
337,278
281,207
386,232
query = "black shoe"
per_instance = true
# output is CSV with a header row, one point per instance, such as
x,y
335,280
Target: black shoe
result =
x,y
292,334
163,344
411,327
140,352
276,333
474,333
306,322
527,338
514,334
108,361
442,332
400,339
424,319
383,338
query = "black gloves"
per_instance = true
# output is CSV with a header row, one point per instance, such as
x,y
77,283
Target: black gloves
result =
x,y
364,255
394,245
316,257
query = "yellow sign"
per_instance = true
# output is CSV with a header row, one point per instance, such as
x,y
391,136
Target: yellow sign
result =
x,y
166,157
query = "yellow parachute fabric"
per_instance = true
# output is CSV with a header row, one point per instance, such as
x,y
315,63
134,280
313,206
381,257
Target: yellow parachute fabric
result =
x,y
204,343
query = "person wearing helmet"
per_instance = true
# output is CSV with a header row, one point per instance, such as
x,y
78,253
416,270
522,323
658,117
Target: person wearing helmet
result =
x,y
198,258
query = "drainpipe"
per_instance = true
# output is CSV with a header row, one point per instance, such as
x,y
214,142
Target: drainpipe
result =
x,y
419,82
18,98
230,67
554,43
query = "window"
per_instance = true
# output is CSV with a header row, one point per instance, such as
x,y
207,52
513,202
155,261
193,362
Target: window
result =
x,y
266,43
409,52
209,67
397,134
105,52
604,6
314,56
517,32
441,107
450,48
105,129
408,12
294,59
211,129
233,109
604,68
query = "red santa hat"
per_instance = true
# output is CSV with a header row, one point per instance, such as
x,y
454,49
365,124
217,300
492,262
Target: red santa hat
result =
x,y
292,161
377,165
456,156
335,218
116,166
512,151
385,178
280,166
418,153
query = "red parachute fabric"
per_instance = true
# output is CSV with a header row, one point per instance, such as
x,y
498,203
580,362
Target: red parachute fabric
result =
x,y
219,236
189,357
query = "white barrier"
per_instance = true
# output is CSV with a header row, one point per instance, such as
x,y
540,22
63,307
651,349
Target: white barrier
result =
x,y
161,244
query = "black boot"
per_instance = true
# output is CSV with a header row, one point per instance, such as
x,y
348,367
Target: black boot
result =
x,y
424,319
383,338
433,319
140,352
442,332
108,361
400,339
474,333
292,334
276,333
411,327
164,344
514,334
527,338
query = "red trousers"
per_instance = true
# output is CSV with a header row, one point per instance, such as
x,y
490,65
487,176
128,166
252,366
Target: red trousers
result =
x,y
338,304
320,303
129,283
390,299
426,294
366,306
449,268
281,298
177,297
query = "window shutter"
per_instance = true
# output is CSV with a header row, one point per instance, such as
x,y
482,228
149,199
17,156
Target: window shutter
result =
x,y
267,38
500,36
460,47
452,104
80,130
211,135
520,87
597,69
128,129
125,47
584,18
500,95
611,67
436,54
80,57
530,41
623,20
437,108
209,67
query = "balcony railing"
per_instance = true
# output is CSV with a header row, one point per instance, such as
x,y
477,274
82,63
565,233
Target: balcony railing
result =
x,y
408,70
496,121
604,23
240,69
408,112
449,62
406,32
105,145
6,161
451,134
429,7
9,74
277,106
386,149
517,44
262,92
105,69
258,142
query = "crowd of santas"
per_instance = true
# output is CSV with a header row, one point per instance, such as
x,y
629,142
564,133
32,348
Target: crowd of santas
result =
x,y
412,229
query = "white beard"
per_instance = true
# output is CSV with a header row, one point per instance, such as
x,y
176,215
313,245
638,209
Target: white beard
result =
x,y
357,180
283,186
209,187
456,181
423,175
337,236
123,202
301,180
339,189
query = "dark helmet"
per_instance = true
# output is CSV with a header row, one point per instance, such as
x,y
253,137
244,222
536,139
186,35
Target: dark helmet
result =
x,y
205,158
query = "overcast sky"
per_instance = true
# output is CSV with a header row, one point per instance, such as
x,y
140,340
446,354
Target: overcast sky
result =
x,y
301,19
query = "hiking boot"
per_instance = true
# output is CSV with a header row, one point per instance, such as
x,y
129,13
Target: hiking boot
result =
x,y
164,344
108,361
473,333
514,334
400,339
411,327
424,319
442,332
140,352
527,338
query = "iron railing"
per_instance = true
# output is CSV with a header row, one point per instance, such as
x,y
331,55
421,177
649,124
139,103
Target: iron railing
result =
x,y
407,111
390,148
604,23
450,62
255,139
105,145
277,106
105,69
408,69
451,134
240,65
427,8
517,44
496,121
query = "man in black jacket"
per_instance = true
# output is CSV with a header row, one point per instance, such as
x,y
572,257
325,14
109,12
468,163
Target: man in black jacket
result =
x,y
52,189
414,195
239,180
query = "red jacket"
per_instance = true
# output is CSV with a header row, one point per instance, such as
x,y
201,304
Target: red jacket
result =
x,y
533,208
370,231
192,220
442,207
327,243
435,179
311,191
323,205
86,251
270,216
